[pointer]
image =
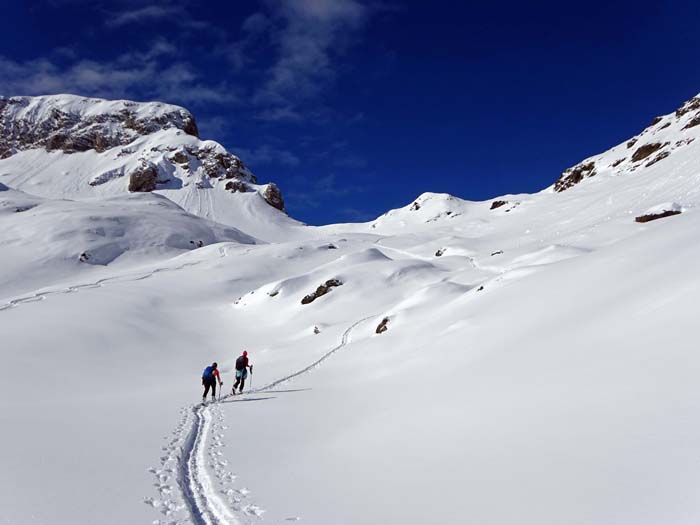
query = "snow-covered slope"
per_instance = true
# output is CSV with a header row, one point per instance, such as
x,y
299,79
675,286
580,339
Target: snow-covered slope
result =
x,y
536,362
70,147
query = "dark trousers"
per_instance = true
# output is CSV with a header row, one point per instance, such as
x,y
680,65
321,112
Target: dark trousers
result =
x,y
209,383
240,380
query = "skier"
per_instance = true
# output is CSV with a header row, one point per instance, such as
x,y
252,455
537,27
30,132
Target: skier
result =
x,y
241,371
210,376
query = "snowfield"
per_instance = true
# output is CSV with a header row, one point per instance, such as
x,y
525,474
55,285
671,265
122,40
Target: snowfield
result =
x,y
539,364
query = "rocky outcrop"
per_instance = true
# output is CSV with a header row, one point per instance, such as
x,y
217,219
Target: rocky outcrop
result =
x,y
321,291
382,327
644,151
273,196
71,124
574,175
236,186
653,216
497,204
144,178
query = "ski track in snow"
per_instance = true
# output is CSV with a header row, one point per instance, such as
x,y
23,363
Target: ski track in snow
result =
x,y
128,277
193,449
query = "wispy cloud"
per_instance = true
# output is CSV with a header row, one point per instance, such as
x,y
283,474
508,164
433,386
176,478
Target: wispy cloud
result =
x,y
128,73
143,14
267,154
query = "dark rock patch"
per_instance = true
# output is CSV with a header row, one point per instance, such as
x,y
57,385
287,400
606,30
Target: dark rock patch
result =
x,y
321,291
143,179
574,175
414,207
644,151
653,216
84,257
498,204
499,252
656,121
440,252
694,122
632,143
691,105
236,186
660,156
618,162
382,327
273,196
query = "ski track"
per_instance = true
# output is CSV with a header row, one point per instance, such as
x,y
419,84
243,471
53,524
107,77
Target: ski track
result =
x,y
129,277
193,450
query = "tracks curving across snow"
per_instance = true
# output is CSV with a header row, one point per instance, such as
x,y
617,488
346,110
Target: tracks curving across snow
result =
x,y
127,277
193,450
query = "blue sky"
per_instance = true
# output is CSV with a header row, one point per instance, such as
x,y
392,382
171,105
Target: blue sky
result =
x,y
354,107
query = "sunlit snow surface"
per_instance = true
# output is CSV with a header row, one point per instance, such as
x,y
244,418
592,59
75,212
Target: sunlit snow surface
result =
x,y
542,370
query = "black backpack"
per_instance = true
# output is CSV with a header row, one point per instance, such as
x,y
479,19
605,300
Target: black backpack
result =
x,y
241,363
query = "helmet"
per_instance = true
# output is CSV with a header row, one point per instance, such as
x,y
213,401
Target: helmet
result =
x,y
245,352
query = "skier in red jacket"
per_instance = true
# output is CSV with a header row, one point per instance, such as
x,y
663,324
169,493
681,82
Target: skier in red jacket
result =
x,y
242,366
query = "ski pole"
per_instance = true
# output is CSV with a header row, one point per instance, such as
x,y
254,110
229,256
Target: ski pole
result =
x,y
250,388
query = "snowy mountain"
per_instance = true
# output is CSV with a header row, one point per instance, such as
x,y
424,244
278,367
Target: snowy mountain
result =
x,y
70,147
529,359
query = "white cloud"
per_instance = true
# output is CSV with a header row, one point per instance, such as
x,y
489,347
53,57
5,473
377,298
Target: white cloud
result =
x,y
144,14
267,154
309,37
136,72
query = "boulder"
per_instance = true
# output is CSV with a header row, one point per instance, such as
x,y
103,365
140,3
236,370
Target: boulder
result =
x,y
273,196
143,178
321,291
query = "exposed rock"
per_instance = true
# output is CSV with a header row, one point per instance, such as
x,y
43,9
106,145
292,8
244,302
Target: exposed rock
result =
x,y
332,247
415,206
694,122
618,162
480,288
656,121
180,157
660,156
197,244
440,252
574,175
691,105
321,290
54,123
273,196
144,178
237,186
653,216
498,204
644,151
665,126
632,143
382,327
499,252
84,257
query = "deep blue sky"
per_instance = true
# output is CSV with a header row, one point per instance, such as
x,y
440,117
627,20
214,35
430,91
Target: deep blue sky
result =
x,y
356,106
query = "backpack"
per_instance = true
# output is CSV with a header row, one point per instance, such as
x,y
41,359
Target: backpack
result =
x,y
208,372
241,363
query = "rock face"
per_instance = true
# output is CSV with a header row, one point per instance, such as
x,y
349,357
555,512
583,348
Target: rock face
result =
x,y
382,327
62,123
497,204
143,178
664,135
140,147
273,196
653,216
321,291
